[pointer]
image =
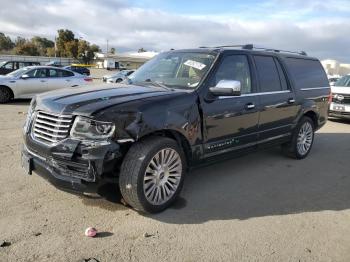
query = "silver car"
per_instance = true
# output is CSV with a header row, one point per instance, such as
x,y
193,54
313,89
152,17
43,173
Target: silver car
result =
x,y
29,81
118,77
340,104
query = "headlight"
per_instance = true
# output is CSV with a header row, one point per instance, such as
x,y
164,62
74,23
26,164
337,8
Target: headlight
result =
x,y
29,115
86,128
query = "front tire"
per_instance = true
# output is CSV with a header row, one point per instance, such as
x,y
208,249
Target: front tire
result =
x,y
302,140
152,174
5,95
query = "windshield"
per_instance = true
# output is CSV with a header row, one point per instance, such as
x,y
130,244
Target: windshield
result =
x,y
183,70
344,81
19,72
2,63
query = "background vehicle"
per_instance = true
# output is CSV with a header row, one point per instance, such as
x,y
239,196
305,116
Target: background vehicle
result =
x,y
181,109
340,105
78,69
54,63
29,81
10,66
333,79
118,77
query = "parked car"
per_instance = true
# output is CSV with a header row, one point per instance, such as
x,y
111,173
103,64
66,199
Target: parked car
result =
x,y
340,105
118,77
333,79
181,109
29,81
79,69
54,63
7,67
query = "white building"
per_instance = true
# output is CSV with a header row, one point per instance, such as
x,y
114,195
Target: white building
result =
x,y
334,67
132,60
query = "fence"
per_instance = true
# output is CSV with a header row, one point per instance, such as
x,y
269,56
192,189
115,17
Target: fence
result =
x,y
42,59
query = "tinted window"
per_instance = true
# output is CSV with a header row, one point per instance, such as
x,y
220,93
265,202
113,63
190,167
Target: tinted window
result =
x,y
37,73
283,79
235,67
269,78
9,65
307,73
64,73
53,73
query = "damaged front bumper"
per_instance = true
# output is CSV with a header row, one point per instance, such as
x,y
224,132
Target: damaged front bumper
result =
x,y
73,165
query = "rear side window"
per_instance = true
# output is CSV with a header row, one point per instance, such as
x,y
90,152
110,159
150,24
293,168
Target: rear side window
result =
x,y
306,73
65,73
270,74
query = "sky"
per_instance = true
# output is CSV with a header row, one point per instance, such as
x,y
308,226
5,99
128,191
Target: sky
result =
x,y
319,27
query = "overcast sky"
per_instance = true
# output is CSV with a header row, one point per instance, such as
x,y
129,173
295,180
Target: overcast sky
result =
x,y
321,28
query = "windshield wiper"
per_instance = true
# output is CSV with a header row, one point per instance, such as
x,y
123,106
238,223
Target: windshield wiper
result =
x,y
156,83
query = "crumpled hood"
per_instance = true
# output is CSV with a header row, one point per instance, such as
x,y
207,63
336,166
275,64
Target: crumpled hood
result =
x,y
340,89
87,100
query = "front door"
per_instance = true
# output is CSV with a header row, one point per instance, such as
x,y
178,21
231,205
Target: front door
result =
x,y
231,123
34,84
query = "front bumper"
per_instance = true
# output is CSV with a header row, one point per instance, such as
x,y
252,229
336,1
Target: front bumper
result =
x,y
73,165
335,112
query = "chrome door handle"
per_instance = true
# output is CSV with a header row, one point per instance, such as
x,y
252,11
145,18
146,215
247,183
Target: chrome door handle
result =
x,y
291,100
250,106
43,81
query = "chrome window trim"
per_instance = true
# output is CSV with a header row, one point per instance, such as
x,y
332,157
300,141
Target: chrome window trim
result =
x,y
257,94
315,88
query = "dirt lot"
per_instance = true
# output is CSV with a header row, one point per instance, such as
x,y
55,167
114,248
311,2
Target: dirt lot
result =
x,y
260,207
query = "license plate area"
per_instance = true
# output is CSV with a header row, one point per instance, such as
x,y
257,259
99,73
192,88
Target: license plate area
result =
x,y
339,108
27,164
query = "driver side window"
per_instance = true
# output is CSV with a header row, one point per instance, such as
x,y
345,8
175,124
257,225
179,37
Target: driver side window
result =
x,y
37,73
234,67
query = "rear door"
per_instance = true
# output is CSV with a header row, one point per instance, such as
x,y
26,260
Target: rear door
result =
x,y
278,109
231,123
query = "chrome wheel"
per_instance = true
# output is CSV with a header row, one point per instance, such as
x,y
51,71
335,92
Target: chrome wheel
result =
x,y
305,138
162,176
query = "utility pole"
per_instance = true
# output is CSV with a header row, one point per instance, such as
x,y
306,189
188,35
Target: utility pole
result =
x,y
107,48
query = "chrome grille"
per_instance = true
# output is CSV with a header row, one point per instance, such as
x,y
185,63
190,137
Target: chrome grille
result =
x,y
51,128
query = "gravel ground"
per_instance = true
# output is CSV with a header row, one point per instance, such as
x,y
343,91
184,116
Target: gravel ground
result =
x,y
260,207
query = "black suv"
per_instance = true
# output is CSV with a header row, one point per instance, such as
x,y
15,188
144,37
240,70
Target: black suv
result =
x,y
7,67
181,109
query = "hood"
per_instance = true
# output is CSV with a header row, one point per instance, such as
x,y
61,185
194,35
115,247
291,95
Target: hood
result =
x,y
340,89
88,100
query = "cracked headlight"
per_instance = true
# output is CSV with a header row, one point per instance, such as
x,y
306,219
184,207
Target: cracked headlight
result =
x,y
86,128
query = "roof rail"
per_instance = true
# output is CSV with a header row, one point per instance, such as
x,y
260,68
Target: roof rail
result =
x,y
252,47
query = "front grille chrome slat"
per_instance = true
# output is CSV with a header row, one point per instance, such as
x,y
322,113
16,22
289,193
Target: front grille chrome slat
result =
x,y
50,127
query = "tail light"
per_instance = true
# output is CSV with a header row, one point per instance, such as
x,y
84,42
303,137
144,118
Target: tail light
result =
x,y
330,96
88,79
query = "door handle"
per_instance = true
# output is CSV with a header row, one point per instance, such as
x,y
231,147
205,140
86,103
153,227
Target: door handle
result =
x,y
67,80
43,81
291,101
250,106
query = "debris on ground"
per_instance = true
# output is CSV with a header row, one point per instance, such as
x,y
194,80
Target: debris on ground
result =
x,y
308,250
5,244
91,259
91,232
37,234
146,235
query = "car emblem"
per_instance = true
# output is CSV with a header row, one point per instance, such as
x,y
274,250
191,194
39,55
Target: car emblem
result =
x,y
340,97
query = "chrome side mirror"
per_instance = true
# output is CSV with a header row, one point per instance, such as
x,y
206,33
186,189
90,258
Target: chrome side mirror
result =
x,y
226,88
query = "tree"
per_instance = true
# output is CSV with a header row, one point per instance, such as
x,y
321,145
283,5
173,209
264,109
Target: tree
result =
x,y
26,48
42,44
64,36
5,42
71,49
113,50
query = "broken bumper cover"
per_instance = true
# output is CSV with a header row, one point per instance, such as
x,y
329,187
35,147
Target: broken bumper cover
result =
x,y
72,165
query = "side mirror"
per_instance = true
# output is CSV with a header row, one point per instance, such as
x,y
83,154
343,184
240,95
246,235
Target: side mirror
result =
x,y
226,88
25,76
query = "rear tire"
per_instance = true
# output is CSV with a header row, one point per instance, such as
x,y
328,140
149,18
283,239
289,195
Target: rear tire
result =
x,y
152,174
5,95
302,139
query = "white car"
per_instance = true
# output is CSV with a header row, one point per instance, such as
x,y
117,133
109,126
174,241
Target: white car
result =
x,y
29,81
340,105
118,77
